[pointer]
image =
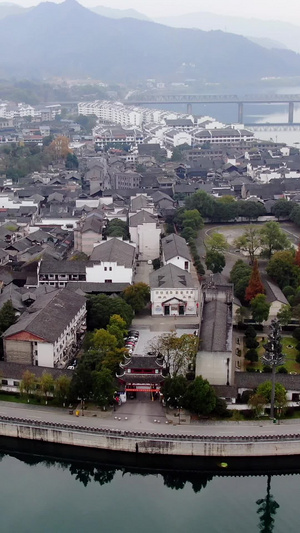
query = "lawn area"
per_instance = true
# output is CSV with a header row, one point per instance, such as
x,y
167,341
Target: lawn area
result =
x,y
15,398
289,350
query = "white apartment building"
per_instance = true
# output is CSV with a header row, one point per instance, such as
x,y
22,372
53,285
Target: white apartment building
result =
x,y
173,292
112,261
49,333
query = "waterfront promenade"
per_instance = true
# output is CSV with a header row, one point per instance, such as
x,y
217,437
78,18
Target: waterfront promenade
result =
x,y
145,422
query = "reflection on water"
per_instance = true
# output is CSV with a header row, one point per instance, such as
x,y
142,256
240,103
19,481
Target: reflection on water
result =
x,y
75,496
267,510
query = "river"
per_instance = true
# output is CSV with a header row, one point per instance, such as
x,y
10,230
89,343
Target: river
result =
x,y
44,495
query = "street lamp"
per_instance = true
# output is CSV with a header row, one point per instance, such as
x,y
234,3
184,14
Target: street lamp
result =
x,y
273,355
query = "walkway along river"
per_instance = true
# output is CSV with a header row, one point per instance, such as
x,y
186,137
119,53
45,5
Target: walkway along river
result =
x,y
141,442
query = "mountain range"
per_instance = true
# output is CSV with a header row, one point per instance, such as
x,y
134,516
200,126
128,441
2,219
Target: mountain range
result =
x,y
69,40
283,33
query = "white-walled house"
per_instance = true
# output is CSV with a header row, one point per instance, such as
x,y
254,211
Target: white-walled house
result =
x,y
145,233
112,261
175,251
48,334
173,292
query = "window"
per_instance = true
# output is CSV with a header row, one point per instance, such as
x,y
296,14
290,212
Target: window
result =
x,y
105,268
108,281
110,268
4,382
16,383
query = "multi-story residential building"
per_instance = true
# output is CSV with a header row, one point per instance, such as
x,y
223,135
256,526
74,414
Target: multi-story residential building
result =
x,y
49,333
173,292
87,233
175,251
112,261
59,273
117,136
126,180
145,233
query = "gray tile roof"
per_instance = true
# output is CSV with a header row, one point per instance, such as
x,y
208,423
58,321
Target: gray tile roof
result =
x,y
173,246
273,292
93,223
142,217
16,371
140,361
92,287
142,378
114,251
49,316
215,327
62,267
251,380
171,277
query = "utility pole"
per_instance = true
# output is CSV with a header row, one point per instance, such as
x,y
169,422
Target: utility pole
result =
x,y
273,356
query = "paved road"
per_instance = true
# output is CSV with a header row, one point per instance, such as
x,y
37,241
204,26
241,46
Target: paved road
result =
x,y
145,418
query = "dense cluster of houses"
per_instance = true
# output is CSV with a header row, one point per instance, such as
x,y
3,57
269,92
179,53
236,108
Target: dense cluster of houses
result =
x,y
54,249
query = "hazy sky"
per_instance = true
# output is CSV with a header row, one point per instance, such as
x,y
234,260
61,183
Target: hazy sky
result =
x,y
289,10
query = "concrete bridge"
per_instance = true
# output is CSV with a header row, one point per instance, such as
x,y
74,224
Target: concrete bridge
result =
x,y
190,99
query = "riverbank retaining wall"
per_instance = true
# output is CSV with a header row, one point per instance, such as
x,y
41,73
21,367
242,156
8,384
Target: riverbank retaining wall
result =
x,y
145,443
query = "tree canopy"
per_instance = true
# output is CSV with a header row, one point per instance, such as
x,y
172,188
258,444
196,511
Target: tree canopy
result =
x,y
260,308
255,286
101,307
137,296
215,261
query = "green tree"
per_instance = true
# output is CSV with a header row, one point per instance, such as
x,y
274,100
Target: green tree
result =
x,y
192,219
226,208
273,238
71,161
282,208
251,355
189,234
215,261
81,385
256,403
28,384
62,388
295,215
283,270
216,243
137,296
174,390
250,210
117,327
265,390
202,201
117,228
260,308
178,353
103,387
46,385
103,343
200,398
240,276
285,315
7,316
249,242
101,307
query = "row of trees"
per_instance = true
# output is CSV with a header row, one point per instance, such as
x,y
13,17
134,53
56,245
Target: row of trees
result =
x,y
223,209
101,307
197,396
46,387
266,240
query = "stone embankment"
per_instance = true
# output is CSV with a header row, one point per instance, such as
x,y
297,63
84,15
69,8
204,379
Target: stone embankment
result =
x,y
150,443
